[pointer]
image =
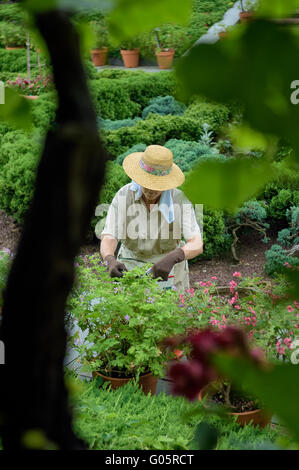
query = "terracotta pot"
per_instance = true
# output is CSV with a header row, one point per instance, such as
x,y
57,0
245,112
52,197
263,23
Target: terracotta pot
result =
x,y
148,382
130,57
12,48
165,59
257,417
223,34
99,56
246,16
30,97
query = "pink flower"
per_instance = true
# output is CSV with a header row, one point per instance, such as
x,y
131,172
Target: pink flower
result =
x,y
237,307
214,277
182,298
288,342
280,349
206,291
290,308
251,310
296,304
237,274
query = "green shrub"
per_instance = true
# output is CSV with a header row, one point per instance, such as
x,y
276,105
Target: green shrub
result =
x,y
126,419
17,175
280,203
285,178
15,61
107,124
164,105
216,240
12,34
290,236
111,100
276,259
12,12
186,153
216,115
43,110
136,148
155,129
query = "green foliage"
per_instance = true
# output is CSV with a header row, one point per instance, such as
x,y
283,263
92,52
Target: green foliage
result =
x,y
15,61
216,188
126,419
109,125
99,29
5,261
280,203
19,159
216,115
111,100
12,35
143,17
252,211
136,148
163,105
229,75
276,259
12,13
43,111
215,236
186,154
126,320
155,129
290,236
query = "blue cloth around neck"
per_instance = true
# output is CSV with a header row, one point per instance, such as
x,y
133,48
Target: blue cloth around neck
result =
x,y
165,203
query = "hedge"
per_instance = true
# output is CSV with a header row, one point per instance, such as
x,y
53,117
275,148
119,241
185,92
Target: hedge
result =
x,y
155,129
216,115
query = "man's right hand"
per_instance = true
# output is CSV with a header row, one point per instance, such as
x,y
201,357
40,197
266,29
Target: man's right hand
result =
x,y
115,268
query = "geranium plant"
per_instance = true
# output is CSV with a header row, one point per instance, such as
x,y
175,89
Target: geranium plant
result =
x,y
124,320
32,86
261,312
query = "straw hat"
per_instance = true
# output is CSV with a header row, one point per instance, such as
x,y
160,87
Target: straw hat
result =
x,y
154,168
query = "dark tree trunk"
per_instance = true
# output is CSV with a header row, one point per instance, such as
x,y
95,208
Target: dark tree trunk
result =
x,y
70,174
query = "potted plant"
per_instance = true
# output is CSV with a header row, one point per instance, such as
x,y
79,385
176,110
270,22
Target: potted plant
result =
x,y
100,47
130,51
123,322
30,88
14,36
245,14
248,313
166,37
244,408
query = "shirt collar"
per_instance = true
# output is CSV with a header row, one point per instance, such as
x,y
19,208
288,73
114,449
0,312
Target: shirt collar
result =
x,y
165,203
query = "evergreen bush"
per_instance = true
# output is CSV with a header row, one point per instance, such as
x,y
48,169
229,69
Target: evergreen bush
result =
x,y
164,105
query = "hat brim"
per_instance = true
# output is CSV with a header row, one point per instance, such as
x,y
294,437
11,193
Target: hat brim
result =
x,y
158,183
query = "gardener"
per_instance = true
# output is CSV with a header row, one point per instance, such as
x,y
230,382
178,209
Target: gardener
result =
x,y
150,216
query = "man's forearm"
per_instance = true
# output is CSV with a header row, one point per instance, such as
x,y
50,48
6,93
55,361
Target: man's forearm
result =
x,y
193,247
108,246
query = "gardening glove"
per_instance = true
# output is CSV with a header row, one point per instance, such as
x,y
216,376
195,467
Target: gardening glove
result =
x,y
115,268
163,267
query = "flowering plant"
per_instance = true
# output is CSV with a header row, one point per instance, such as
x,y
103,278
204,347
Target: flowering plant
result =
x,y
268,317
124,320
33,86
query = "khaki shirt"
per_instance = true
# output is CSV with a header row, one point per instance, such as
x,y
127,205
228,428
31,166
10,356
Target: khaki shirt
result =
x,y
147,235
